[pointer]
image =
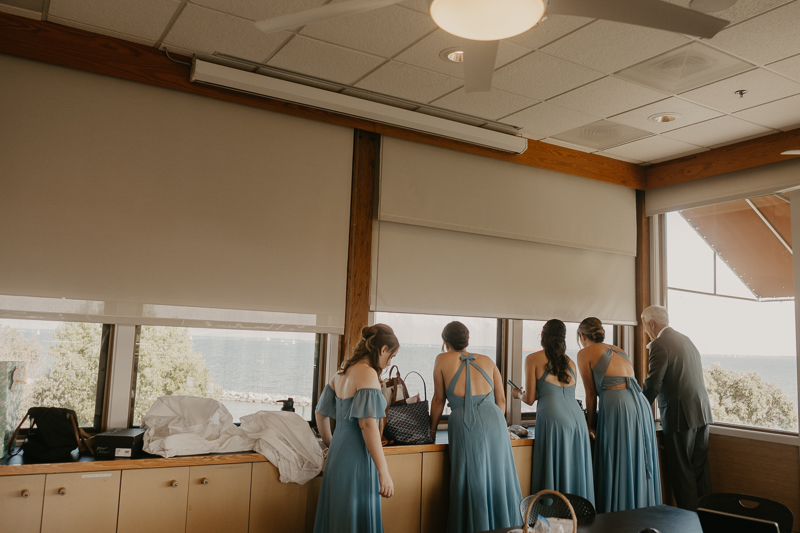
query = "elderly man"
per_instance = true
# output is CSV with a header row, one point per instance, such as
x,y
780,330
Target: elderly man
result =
x,y
676,378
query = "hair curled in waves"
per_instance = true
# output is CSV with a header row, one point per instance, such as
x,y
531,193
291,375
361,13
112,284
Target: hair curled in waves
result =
x,y
554,342
592,328
456,335
373,338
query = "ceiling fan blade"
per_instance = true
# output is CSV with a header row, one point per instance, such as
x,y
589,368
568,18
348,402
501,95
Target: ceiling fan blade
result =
x,y
316,14
479,60
650,13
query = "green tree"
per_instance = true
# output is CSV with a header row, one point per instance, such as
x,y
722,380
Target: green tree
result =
x,y
168,366
745,398
15,347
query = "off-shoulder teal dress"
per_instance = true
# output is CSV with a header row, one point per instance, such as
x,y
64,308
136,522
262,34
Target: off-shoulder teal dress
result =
x,y
349,499
484,487
562,457
625,451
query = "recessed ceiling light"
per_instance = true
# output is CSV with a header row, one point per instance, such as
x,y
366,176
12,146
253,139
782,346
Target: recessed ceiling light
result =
x,y
456,55
664,117
791,152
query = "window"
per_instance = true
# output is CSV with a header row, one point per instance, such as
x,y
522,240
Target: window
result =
x,y
248,371
531,342
64,365
420,339
729,277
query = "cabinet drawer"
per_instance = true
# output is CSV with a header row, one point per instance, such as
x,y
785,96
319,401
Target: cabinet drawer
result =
x,y
71,501
153,500
219,498
275,506
21,499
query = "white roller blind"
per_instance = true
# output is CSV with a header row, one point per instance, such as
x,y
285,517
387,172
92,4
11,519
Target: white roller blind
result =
x,y
154,206
433,271
757,181
439,188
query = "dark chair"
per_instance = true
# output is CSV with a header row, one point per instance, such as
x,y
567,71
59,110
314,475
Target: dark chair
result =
x,y
749,506
557,508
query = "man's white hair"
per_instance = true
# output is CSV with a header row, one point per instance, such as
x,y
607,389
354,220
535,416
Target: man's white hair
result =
x,y
656,313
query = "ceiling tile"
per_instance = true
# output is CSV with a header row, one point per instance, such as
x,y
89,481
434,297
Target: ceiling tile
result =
x,y
26,5
611,46
410,83
689,112
541,76
781,114
326,61
207,31
28,14
601,134
548,30
491,105
146,19
651,148
789,67
766,38
544,120
761,85
101,31
421,6
258,9
741,10
426,52
678,156
716,131
374,31
571,146
607,97
620,158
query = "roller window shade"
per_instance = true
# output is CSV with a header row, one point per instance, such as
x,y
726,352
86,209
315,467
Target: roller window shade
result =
x,y
438,188
154,206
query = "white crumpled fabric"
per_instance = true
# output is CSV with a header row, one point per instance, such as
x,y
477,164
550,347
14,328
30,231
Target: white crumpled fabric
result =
x,y
185,425
287,442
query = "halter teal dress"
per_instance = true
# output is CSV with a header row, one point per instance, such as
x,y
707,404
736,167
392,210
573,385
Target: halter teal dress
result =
x,y
562,456
349,499
626,472
484,487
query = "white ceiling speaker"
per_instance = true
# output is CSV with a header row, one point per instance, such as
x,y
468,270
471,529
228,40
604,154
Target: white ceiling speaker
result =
x,y
485,22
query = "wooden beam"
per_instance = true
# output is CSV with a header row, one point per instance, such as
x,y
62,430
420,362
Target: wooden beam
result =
x,y
366,157
739,156
82,50
640,339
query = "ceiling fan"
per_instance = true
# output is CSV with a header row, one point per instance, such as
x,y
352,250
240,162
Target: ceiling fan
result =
x,y
483,23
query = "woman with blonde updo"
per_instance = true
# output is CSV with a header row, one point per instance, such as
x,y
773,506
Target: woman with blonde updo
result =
x,y
356,475
626,472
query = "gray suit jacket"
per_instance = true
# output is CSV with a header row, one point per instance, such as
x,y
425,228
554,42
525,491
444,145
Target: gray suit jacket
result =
x,y
676,378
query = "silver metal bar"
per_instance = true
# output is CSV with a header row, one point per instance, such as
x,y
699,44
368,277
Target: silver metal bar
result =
x,y
770,226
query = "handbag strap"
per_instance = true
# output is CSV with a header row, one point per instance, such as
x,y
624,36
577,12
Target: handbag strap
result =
x,y
13,438
424,385
81,437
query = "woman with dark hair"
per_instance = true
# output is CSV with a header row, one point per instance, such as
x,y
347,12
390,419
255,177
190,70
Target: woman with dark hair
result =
x,y
626,472
356,475
562,457
484,488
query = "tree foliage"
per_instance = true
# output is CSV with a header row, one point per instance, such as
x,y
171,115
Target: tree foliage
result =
x,y
745,398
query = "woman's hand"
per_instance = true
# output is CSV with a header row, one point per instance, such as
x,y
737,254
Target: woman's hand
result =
x,y
592,434
387,486
517,394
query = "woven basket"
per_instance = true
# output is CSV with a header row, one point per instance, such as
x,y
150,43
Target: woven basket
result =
x,y
550,493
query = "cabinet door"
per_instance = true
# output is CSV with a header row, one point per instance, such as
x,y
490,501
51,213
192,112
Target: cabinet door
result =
x,y
401,512
274,506
73,502
21,500
314,487
153,500
523,459
219,499
435,491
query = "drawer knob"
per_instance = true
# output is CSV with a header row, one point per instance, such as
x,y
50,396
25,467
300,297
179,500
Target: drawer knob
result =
x,y
204,481
25,493
173,483
62,491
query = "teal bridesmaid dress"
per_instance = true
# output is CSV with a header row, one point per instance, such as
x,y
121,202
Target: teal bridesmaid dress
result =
x,y
484,487
562,456
626,453
349,499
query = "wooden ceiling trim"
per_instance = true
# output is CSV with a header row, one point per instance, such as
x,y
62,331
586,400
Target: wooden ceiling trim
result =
x,y
82,50
739,156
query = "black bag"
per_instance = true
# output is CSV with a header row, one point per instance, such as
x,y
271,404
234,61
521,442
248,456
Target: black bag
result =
x,y
409,423
53,435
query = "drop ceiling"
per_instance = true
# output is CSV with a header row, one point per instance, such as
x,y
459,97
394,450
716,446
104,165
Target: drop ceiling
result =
x,y
586,84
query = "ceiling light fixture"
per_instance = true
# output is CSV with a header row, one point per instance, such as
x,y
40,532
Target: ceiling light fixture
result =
x,y
487,20
740,93
791,152
664,117
456,55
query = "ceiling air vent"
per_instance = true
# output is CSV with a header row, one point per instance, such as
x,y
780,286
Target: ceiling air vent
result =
x,y
685,68
602,134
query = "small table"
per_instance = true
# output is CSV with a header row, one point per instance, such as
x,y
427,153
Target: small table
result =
x,y
662,517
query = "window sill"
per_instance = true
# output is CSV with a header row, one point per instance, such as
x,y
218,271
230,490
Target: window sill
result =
x,y
753,433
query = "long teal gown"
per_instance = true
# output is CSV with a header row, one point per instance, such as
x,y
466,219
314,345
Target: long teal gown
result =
x,y
562,456
349,499
626,472
484,487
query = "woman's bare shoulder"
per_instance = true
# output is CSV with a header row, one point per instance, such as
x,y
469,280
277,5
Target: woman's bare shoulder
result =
x,y
363,376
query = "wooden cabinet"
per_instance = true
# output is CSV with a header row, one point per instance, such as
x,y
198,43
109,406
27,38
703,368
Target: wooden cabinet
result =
x,y
435,492
523,459
74,501
314,487
153,500
401,512
219,498
21,499
275,506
